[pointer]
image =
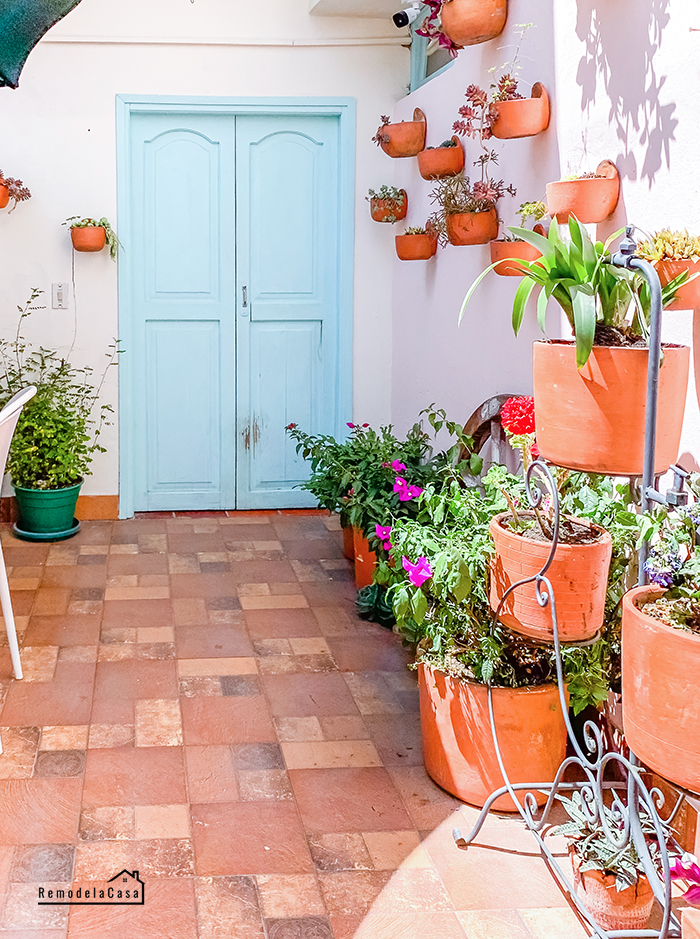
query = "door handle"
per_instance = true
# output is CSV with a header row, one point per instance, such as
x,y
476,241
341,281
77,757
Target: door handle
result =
x,y
244,305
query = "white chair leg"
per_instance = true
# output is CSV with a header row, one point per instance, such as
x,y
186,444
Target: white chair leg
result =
x,y
6,604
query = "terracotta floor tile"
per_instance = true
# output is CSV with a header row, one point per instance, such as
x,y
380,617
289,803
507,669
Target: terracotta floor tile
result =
x,y
74,630
161,821
427,804
553,923
264,785
196,687
330,753
137,593
228,906
274,842
266,572
19,749
107,823
137,613
391,850
59,763
39,662
70,737
352,892
43,863
345,927
410,926
496,924
340,852
39,811
372,693
51,600
158,723
274,602
308,695
162,857
137,564
192,543
23,602
299,728
281,624
189,611
21,910
155,634
119,684
331,594
283,896
397,737
312,548
197,586
213,720
19,555
344,727
146,776
210,774
193,668
74,576
104,736
212,641
334,621
413,890
168,913
344,800
295,664
78,654
65,700
317,927
380,653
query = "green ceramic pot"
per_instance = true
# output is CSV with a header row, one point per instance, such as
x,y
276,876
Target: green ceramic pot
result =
x,y
47,514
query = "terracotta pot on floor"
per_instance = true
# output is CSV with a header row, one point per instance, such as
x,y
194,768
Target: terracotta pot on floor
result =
x,y
441,161
91,238
590,200
579,578
383,210
688,297
660,701
523,117
457,743
503,251
365,559
468,22
612,908
405,139
349,542
472,228
416,247
593,419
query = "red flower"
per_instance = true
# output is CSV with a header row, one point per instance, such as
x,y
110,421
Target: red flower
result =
x,y
535,451
518,416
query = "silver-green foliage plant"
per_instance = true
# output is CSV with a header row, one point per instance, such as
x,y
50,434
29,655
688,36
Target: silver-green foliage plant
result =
x,y
113,243
56,435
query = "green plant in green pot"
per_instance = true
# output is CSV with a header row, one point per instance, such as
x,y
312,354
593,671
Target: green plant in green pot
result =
x,y
57,434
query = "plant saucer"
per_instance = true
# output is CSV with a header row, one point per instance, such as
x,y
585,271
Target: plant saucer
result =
x,y
47,535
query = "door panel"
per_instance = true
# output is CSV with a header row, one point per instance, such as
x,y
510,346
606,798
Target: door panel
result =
x,y
287,222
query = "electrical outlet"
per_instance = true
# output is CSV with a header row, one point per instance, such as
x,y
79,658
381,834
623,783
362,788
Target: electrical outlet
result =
x,y
59,296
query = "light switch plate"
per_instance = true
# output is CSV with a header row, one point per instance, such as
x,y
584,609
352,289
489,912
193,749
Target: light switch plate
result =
x,y
59,296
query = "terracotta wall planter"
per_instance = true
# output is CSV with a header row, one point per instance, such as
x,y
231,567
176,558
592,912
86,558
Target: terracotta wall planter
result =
x,y
468,22
365,559
504,251
457,746
91,238
590,200
610,908
472,228
524,117
349,542
441,161
660,701
578,574
688,297
386,210
593,419
4,195
416,247
406,139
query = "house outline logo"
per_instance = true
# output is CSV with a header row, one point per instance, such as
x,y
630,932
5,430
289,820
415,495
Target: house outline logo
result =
x,y
130,891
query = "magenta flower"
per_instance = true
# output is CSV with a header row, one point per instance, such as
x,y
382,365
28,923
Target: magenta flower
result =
x,y
406,492
350,425
419,572
687,868
383,533
398,467
365,425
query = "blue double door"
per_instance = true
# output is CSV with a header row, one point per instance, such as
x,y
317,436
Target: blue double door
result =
x,y
233,303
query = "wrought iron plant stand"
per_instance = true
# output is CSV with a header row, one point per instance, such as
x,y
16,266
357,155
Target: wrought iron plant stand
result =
x,y
609,778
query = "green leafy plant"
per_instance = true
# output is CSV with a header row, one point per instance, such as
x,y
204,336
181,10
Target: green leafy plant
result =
x,y
56,435
668,245
18,192
527,210
444,144
387,194
113,243
597,297
374,604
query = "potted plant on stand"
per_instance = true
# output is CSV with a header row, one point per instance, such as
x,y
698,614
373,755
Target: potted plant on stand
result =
x,y
388,204
672,252
590,393
56,436
90,234
12,189
508,250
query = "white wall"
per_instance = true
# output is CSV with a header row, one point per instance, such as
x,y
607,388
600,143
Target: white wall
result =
x,y
623,79
58,135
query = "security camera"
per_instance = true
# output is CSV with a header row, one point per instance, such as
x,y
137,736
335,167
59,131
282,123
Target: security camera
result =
x,y
406,17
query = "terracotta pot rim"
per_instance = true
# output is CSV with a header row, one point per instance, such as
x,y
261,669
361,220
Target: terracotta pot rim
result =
x,y
606,879
604,534
571,343
637,595
525,689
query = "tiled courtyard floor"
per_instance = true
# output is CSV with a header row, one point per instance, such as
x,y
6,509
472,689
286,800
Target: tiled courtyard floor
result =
x,y
201,704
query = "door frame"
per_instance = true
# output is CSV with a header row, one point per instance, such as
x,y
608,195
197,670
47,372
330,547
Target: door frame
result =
x,y
126,105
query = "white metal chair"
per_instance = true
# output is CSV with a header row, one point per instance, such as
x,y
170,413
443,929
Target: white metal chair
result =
x,y
8,421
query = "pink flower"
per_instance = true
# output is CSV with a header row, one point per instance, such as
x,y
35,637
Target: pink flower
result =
x,y
398,467
350,425
687,868
386,465
419,572
383,533
406,492
365,425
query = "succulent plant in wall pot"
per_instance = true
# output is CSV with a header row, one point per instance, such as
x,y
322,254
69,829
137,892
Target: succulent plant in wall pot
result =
x,y
90,234
447,159
458,23
405,139
416,244
672,252
12,190
590,197
388,204
509,249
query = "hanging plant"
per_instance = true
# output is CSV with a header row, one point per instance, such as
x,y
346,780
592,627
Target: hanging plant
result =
x,y
388,204
454,24
12,189
89,234
405,139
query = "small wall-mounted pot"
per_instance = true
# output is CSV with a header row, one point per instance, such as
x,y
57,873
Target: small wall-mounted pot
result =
x,y
468,22
387,210
688,296
472,228
416,247
441,161
506,251
590,200
4,195
523,117
90,238
406,139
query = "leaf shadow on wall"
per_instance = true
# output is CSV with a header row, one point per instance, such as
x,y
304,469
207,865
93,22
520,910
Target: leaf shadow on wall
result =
x,y
621,40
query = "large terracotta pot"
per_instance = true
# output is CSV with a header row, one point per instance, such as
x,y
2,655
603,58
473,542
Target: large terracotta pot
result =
x,y
592,419
472,228
457,744
386,210
523,117
91,238
406,139
660,700
365,559
579,578
4,195
505,251
468,22
416,247
349,542
590,200
441,161
688,297
612,908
